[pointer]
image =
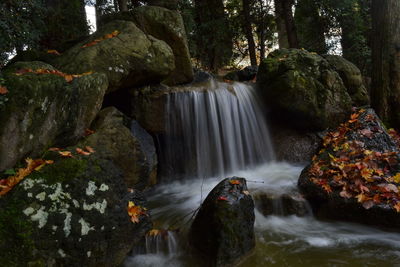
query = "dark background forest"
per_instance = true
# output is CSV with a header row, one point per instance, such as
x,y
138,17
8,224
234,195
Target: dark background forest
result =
x,y
236,33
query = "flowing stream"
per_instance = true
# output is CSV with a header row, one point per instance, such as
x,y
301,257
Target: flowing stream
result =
x,y
224,122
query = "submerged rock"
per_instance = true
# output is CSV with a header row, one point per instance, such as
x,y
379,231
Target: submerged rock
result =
x,y
131,149
355,176
70,213
283,205
41,110
129,59
223,230
303,90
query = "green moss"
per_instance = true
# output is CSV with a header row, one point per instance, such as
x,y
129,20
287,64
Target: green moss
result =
x,y
63,170
15,233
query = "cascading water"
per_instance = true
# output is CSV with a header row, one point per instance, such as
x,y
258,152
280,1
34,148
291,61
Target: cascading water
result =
x,y
220,132
214,131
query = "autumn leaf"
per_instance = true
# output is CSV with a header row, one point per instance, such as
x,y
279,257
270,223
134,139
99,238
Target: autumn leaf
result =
x,y
82,152
153,232
52,51
89,149
3,90
32,165
234,182
68,77
55,149
367,132
327,188
66,154
396,178
105,37
246,192
397,207
222,198
135,211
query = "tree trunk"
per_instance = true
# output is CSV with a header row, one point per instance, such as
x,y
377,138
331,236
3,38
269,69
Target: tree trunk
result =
x,y
249,32
280,24
123,5
283,9
385,92
213,35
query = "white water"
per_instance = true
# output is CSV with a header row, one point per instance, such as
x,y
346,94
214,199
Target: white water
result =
x,y
281,241
216,134
214,131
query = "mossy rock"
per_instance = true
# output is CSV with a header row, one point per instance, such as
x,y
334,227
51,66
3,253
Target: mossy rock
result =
x,y
70,213
127,144
352,79
129,59
303,90
41,110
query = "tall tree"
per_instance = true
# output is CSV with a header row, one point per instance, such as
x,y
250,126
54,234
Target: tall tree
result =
x,y
283,11
385,93
310,26
213,34
248,30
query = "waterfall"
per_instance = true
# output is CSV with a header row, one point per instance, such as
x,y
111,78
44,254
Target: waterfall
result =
x,y
214,131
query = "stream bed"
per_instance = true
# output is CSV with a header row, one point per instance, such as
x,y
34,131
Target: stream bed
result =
x,y
280,241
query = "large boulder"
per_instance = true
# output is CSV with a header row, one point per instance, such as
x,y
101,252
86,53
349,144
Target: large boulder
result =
x,y
127,144
167,25
294,146
246,74
170,4
223,230
124,53
41,110
73,212
352,79
356,176
303,90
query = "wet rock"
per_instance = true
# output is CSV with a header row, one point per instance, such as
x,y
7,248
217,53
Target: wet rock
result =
x,y
42,110
352,79
303,90
127,144
246,74
294,146
70,213
345,180
201,76
283,205
223,230
129,59
167,25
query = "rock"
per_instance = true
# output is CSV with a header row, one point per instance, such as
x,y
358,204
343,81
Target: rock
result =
x,y
303,90
167,25
201,76
42,110
223,230
129,59
170,4
246,74
352,79
283,205
70,213
353,177
132,150
294,146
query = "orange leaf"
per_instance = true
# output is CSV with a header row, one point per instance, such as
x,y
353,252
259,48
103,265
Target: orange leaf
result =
x,y
90,149
53,51
82,152
66,154
223,198
234,182
397,207
3,90
135,211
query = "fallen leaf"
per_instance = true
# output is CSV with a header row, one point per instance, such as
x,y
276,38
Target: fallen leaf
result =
x,y
234,182
3,90
367,132
135,212
53,51
246,192
54,149
90,149
66,154
82,152
223,198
